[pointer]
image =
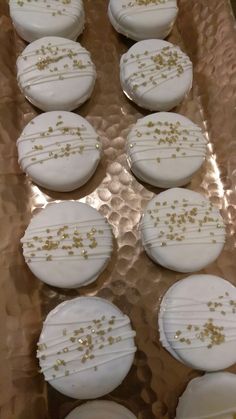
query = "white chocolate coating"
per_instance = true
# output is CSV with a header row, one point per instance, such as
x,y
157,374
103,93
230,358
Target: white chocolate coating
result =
x,y
67,244
143,20
165,149
59,150
156,74
197,322
181,230
101,409
86,347
35,19
212,396
56,74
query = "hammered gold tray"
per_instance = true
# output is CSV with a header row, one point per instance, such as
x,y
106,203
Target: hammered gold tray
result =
x,y
205,29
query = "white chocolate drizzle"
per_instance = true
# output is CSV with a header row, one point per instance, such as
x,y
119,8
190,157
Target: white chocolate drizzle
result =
x,y
137,7
181,222
55,62
60,141
56,8
84,345
196,323
155,68
156,141
82,240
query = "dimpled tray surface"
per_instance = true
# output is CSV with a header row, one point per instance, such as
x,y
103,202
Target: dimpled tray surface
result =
x,y
205,31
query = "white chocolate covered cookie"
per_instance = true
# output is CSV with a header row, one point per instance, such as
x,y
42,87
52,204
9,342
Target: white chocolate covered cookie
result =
x,y
86,347
197,322
59,150
67,244
101,409
165,149
34,19
143,19
212,396
182,230
56,74
156,74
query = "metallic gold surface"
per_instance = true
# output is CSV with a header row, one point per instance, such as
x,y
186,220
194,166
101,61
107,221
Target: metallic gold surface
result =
x,y
205,29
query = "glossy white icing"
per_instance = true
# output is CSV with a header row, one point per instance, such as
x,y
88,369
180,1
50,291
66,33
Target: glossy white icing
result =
x,y
197,322
56,74
67,244
86,347
143,20
59,150
100,409
35,19
212,396
182,230
165,149
155,74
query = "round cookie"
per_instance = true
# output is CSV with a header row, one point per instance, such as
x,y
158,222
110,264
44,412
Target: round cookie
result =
x,y
56,74
156,74
101,409
165,149
196,321
59,150
181,230
212,396
67,244
140,19
86,347
37,18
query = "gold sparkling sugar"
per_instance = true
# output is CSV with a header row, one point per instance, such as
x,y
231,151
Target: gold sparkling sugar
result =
x,y
87,340
168,61
49,55
42,347
144,3
176,223
62,151
210,333
165,133
76,239
233,306
214,306
47,4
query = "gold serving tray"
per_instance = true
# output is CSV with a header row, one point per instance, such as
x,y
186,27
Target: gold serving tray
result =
x,y
205,29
